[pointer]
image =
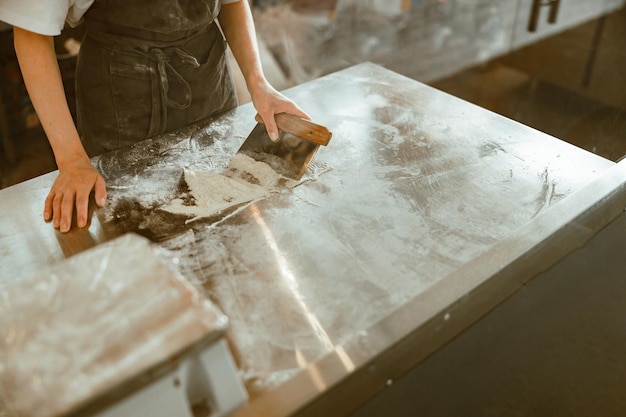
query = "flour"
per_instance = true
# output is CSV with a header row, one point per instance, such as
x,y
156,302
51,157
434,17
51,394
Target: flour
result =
x,y
243,181
253,171
213,193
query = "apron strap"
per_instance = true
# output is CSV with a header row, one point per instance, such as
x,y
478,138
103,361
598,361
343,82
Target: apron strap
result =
x,y
165,70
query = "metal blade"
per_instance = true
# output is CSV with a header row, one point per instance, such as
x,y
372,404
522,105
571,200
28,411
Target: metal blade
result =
x,y
290,156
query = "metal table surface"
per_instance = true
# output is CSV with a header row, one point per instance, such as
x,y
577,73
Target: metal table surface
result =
x,y
338,285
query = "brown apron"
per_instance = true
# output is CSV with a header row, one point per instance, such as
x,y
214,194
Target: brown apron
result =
x,y
147,67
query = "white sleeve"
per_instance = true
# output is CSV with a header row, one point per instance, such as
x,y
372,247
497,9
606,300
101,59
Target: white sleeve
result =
x,y
77,10
229,1
46,17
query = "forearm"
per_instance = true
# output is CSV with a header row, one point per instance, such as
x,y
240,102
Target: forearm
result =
x,y
42,78
238,26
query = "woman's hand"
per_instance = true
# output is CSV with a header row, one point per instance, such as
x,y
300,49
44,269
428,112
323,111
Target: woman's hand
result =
x,y
238,26
268,102
73,187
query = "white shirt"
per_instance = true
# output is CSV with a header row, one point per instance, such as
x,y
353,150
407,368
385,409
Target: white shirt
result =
x,y
47,17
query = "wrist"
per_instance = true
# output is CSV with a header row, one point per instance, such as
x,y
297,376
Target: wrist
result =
x,y
70,157
257,84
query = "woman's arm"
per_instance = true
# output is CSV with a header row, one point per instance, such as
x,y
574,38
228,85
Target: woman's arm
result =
x,y
77,177
238,26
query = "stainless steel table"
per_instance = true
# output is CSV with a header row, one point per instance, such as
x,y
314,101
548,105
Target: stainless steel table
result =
x,y
422,215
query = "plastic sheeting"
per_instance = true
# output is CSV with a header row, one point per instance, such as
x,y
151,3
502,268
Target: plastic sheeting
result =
x,y
95,321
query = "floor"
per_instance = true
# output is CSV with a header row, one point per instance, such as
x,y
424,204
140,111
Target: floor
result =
x,y
588,124
543,86
505,85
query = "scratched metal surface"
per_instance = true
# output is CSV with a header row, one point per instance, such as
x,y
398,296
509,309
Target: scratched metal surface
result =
x,y
414,185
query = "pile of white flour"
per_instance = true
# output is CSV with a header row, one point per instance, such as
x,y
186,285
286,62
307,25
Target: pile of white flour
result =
x,y
245,180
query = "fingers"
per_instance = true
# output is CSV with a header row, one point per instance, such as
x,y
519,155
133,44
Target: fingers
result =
x,y
60,207
67,209
270,126
269,102
270,121
62,210
82,206
47,208
299,112
100,191
57,205
288,106
71,191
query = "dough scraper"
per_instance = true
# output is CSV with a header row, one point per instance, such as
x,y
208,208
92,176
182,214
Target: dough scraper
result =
x,y
298,142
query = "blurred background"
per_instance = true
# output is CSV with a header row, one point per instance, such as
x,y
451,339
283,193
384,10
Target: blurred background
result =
x,y
558,66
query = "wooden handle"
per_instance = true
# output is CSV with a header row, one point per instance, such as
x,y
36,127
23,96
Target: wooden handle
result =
x,y
301,128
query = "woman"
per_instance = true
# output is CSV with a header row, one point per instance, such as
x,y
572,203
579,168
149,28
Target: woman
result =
x,y
145,67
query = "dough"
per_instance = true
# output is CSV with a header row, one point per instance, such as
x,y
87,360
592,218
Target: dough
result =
x,y
253,171
244,180
213,193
